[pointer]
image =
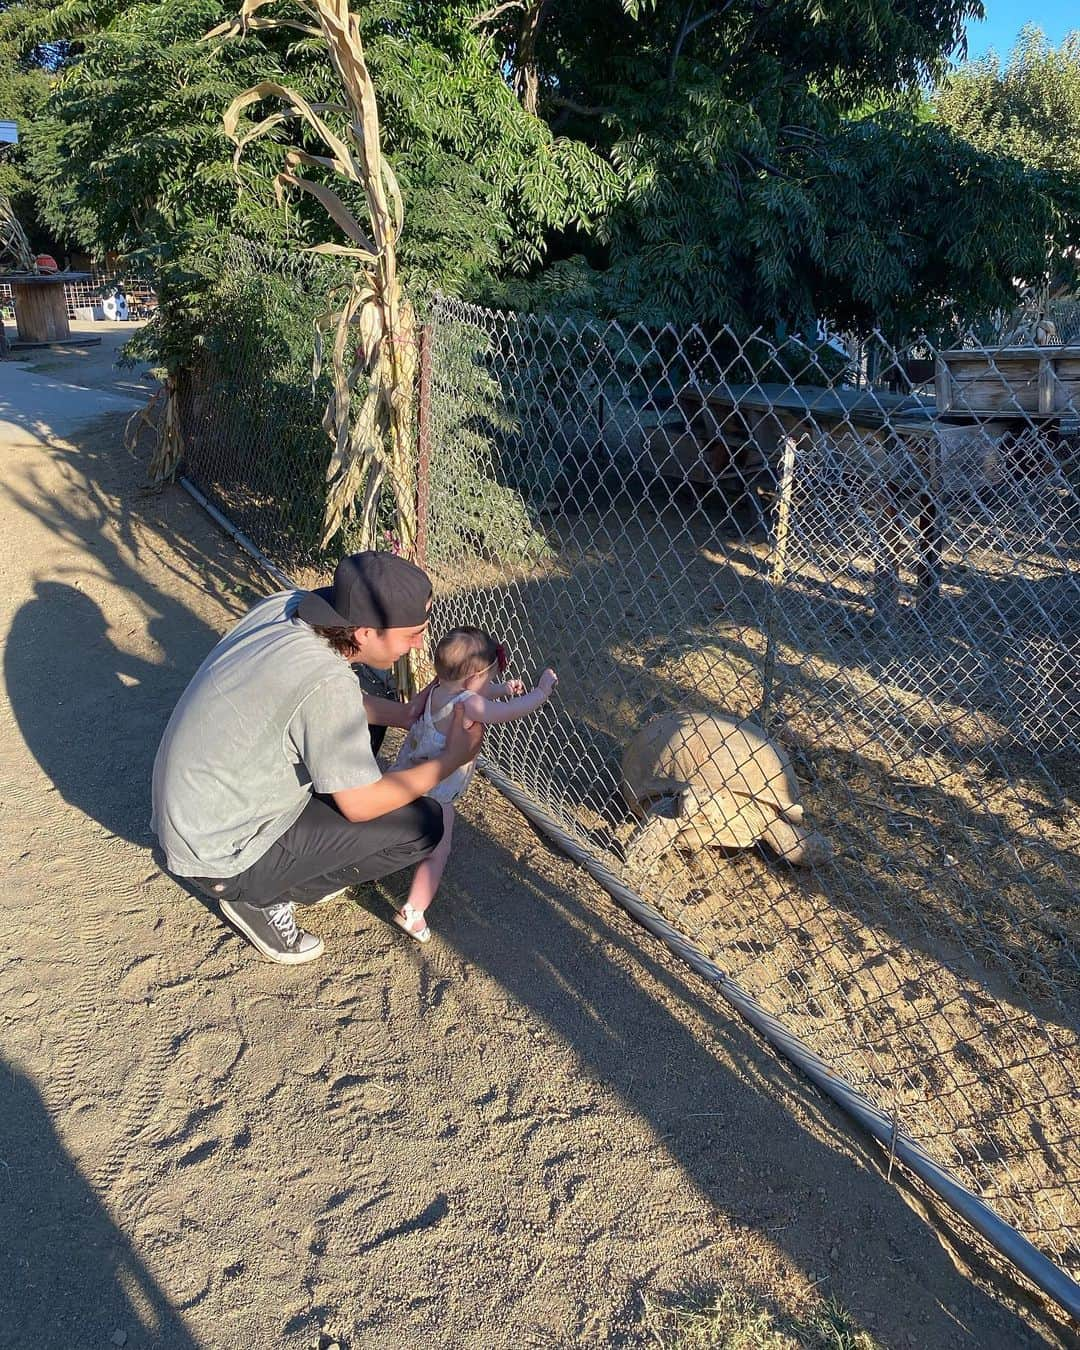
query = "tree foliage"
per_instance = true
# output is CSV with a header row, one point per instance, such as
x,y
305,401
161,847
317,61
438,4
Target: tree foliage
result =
x,y
141,107
1027,107
748,161
24,89
757,186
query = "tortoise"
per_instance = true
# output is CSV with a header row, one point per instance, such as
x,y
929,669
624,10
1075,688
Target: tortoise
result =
x,y
700,780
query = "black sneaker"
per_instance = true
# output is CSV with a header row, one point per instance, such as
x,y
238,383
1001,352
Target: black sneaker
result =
x,y
273,931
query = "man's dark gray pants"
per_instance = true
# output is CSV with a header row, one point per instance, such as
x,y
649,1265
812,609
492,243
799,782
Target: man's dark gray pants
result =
x,y
322,852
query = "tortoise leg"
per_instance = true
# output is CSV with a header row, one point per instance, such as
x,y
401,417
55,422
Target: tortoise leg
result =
x,y
651,841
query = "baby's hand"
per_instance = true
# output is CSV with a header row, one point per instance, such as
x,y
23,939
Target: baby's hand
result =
x,y
547,682
515,688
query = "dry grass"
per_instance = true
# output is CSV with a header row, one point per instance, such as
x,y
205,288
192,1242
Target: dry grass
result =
x,y
732,1321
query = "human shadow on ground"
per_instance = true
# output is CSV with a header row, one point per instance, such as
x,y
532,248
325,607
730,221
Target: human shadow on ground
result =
x,y
91,710
68,1276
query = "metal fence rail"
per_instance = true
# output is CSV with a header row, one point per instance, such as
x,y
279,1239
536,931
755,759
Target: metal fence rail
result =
x,y
875,560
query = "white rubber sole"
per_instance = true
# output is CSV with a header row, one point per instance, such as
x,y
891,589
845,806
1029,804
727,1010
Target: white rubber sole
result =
x,y
332,896
279,958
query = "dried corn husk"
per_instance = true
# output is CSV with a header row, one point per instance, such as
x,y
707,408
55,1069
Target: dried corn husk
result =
x,y
368,333
160,419
369,329
15,251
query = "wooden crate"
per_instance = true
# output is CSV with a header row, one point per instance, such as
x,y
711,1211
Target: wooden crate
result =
x,y
1040,381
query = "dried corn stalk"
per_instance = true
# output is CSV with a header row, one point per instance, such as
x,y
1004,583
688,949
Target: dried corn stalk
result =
x,y
15,251
369,327
161,419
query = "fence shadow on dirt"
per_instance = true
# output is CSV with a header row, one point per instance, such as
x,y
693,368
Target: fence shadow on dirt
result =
x,y
933,952
732,1133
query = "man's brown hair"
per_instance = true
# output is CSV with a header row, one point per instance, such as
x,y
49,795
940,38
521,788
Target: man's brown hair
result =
x,y
341,639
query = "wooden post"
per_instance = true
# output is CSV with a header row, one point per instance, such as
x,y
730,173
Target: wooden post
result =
x,y
41,311
777,572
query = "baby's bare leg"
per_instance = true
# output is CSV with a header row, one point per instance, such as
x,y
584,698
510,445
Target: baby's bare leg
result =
x,y
429,873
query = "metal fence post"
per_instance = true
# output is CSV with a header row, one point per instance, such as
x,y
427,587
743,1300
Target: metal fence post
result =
x,y
776,577
423,446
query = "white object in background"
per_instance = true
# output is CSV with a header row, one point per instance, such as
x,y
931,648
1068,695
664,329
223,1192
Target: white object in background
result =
x,y
115,306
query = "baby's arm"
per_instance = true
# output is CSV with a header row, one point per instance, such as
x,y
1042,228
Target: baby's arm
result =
x,y
489,713
511,689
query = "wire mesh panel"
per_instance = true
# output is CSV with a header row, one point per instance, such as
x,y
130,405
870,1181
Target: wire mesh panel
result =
x,y
816,622
84,298
250,416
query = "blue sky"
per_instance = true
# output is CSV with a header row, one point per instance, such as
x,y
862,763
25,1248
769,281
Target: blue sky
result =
x,y
1005,18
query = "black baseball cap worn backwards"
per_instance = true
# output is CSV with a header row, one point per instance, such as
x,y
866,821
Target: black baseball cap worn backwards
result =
x,y
370,590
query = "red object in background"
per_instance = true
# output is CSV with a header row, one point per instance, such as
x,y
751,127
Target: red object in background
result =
x,y
45,262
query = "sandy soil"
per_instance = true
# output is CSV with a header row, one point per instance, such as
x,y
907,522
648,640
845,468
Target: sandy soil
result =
x,y
505,1139
933,960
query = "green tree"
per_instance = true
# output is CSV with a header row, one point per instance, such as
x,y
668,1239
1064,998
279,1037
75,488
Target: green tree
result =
x,y
752,161
131,156
25,77
776,164
1027,107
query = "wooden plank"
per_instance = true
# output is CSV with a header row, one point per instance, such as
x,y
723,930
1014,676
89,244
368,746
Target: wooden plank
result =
x,y
1047,384
1037,381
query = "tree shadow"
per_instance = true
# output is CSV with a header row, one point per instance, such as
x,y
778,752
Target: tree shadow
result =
x,y
68,1276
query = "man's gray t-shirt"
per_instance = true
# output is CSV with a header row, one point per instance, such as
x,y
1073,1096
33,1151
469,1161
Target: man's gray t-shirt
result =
x,y
270,716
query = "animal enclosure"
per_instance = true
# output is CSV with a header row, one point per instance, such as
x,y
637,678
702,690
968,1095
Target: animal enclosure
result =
x,y
896,595
891,589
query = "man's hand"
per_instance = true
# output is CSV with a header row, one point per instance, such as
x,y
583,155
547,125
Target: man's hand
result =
x,y
463,740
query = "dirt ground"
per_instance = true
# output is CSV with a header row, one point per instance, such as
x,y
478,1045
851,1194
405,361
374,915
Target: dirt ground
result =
x,y
513,1137
932,958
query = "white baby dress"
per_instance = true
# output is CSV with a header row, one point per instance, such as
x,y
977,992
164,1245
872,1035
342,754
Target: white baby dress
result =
x,y
426,741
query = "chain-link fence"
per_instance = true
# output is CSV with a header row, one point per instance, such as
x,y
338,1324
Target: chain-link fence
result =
x,y
816,621
885,581
249,415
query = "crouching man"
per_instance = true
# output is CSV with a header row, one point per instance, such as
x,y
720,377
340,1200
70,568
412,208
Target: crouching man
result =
x,y
266,791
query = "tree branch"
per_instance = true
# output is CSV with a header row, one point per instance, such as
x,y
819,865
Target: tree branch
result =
x,y
686,28
493,14
755,162
764,8
571,106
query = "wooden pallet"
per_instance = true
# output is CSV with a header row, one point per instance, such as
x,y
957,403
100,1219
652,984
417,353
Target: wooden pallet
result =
x,y
1037,381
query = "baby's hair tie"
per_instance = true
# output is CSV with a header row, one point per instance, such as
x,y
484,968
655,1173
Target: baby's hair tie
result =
x,y
501,656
